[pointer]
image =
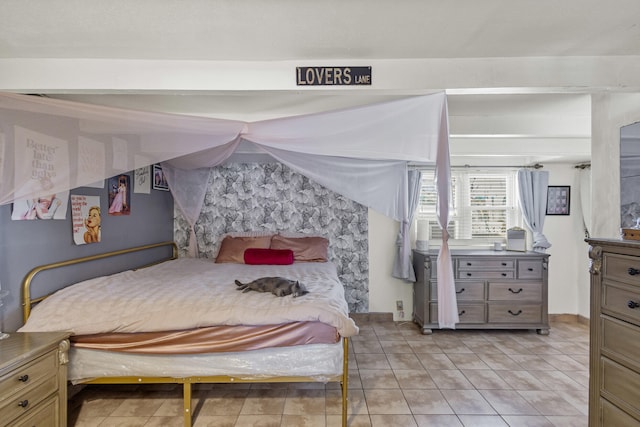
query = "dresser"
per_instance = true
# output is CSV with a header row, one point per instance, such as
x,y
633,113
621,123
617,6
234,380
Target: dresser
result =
x,y
33,379
494,290
614,364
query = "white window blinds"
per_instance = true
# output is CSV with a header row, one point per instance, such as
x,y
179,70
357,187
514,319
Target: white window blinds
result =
x,y
483,204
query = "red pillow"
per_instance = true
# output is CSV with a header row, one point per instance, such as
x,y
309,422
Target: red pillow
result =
x,y
259,256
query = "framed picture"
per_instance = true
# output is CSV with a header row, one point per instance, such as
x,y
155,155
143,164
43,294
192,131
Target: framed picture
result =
x,y
558,199
159,180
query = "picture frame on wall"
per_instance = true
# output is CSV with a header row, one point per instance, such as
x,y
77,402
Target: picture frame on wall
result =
x,y
558,199
159,180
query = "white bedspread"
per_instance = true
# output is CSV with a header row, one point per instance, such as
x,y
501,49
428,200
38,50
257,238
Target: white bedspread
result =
x,y
189,293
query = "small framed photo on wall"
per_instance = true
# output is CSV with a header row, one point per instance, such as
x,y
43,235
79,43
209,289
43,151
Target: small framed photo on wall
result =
x,y
558,199
159,180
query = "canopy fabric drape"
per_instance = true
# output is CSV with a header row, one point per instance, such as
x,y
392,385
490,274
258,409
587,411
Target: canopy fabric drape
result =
x,y
402,267
447,302
532,196
584,192
50,146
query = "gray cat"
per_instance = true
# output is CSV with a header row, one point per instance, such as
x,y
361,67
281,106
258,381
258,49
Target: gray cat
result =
x,y
279,286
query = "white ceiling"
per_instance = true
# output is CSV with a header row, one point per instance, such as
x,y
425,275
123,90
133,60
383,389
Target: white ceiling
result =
x,y
487,125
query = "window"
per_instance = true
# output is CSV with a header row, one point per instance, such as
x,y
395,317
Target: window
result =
x,y
482,207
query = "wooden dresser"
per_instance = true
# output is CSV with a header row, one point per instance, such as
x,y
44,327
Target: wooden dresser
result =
x,y
33,379
614,384
495,290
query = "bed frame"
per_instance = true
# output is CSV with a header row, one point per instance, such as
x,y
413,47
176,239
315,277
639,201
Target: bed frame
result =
x,y
28,303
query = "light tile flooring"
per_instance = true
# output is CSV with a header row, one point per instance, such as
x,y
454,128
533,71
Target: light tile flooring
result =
x,y
397,377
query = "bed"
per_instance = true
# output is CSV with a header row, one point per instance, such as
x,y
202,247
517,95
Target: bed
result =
x,y
184,321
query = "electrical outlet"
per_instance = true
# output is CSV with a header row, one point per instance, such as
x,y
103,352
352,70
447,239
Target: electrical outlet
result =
x,y
399,305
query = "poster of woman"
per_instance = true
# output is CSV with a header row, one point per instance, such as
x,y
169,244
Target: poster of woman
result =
x,y
119,195
87,221
48,206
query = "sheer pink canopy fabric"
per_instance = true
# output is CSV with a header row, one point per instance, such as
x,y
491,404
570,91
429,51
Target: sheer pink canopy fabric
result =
x,y
50,146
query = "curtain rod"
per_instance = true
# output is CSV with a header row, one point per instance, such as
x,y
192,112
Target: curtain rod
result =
x,y
536,166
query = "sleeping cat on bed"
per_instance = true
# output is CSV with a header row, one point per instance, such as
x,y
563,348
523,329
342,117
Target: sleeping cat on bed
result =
x,y
279,286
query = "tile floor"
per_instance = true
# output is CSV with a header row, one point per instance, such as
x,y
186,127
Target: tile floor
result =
x,y
397,377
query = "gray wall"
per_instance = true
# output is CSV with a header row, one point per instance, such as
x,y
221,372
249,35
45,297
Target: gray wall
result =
x,y
28,244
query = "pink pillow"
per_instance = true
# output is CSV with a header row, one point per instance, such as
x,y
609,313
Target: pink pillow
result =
x,y
232,248
310,249
256,256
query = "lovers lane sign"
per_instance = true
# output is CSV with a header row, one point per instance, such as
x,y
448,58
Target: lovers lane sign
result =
x,y
333,76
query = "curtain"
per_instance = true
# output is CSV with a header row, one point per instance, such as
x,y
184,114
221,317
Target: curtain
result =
x,y
402,267
532,197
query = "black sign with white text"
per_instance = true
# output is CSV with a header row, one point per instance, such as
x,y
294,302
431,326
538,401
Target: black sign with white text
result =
x,y
333,76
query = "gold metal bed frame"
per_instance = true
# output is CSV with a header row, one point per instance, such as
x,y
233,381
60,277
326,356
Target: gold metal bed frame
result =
x,y
28,303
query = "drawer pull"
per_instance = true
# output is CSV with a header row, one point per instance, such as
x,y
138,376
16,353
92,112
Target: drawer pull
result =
x,y
460,291
461,313
469,264
504,264
633,271
515,292
632,304
515,314
468,274
23,403
504,274
23,378
529,269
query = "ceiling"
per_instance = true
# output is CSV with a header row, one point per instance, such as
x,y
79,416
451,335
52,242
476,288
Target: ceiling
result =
x,y
489,125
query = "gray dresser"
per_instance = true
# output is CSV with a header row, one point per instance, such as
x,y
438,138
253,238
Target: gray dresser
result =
x,y
494,289
614,364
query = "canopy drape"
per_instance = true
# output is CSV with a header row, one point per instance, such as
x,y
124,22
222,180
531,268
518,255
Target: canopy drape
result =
x,y
49,146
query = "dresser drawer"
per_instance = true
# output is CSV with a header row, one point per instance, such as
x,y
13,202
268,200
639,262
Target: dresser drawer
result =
x,y
27,400
529,269
465,291
621,382
515,291
486,264
620,339
616,267
31,373
621,300
515,313
613,416
479,274
468,313
44,416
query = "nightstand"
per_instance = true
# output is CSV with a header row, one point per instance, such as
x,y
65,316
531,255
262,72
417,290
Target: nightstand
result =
x,y
33,379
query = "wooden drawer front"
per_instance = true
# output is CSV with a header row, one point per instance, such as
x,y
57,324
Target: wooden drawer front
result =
x,y
45,415
465,291
621,339
31,373
515,291
475,274
616,267
485,264
468,313
11,408
613,416
529,269
621,301
621,382
515,313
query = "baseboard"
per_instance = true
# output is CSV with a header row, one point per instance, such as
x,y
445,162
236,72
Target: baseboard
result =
x,y
569,318
371,317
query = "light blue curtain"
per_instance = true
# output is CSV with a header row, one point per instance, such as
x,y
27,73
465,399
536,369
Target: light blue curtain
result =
x,y
402,266
532,196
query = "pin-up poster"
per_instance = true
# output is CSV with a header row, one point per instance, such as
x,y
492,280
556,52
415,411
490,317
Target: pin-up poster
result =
x,y
41,163
86,215
48,206
119,195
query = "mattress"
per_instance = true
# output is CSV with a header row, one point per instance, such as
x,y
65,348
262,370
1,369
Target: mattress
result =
x,y
189,293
